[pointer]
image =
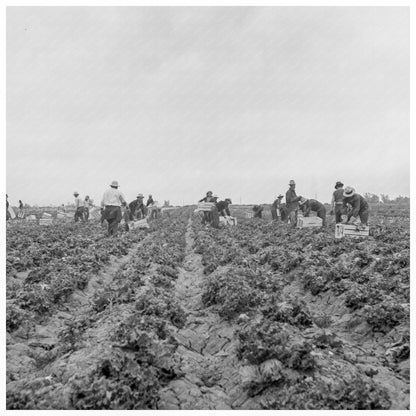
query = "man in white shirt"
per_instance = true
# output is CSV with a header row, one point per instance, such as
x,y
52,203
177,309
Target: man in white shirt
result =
x,y
79,207
111,203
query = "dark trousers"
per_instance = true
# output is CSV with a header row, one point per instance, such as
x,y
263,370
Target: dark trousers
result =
x,y
215,218
293,217
79,214
364,216
274,214
207,218
86,214
339,210
113,216
322,214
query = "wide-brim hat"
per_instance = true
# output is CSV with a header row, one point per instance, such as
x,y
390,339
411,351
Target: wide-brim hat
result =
x,y
338,184
140,196
349,191
280,196
76,193
115,183
292,182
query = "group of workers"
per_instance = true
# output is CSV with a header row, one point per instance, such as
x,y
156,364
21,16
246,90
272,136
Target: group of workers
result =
x,y
111,203
347,205
219,208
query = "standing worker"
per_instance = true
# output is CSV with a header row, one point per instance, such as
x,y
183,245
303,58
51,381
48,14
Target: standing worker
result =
x,y
292,203
359,206
79,207
149,201
275,208
112,201
308,205
207,214
337,202
87,205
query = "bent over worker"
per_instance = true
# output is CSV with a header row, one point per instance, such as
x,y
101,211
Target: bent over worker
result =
x,y
308,205
222,207
358,203
112,201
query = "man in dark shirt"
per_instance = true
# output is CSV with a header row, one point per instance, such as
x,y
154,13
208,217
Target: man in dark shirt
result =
x,y
292,203
137,208
308,205
222,207
358,203
149,200
337,201
257,209
207,218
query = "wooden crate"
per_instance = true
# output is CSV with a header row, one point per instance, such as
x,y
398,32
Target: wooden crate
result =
x,y
342,230
46,216
139,224
45,221
205,206
304,222
95,213
31,218
228,220
60,215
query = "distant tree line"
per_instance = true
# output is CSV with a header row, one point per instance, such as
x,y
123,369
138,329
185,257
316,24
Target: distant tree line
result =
x,y
385,199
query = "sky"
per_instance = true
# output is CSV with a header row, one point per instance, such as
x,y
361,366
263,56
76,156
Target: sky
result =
x,y
176,101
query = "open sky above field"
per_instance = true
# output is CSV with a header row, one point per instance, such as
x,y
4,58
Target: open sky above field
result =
x,y
177,101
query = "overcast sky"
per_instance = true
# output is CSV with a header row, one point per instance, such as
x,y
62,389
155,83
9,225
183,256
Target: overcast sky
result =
x,y
176,101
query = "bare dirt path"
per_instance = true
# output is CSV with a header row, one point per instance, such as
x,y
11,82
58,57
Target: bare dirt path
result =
x,y
207,349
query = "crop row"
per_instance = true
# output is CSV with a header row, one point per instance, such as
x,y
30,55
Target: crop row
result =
x,y
370,276
139,354
60,263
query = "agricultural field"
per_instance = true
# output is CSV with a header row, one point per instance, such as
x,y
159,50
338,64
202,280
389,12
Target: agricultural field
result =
x,y
184,316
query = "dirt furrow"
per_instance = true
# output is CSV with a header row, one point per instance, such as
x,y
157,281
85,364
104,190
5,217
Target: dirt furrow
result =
x,y
210,369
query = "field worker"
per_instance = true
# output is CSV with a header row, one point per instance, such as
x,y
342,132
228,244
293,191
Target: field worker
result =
x,y
257,209
359,206
137,208
87,205
207,197
222,207
79,207
207,218
215,218
308,205
275,211
292,203
112,201
337,201
149,201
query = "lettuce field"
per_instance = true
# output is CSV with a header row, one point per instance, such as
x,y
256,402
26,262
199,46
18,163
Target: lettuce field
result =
x,y
184,316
